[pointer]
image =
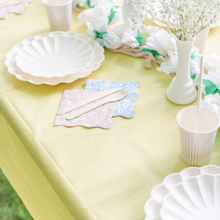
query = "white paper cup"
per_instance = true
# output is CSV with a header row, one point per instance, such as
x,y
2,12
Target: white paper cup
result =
x,y
59,13
195,146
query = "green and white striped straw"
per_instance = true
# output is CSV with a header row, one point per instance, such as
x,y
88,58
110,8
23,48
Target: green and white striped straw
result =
x,y
199,94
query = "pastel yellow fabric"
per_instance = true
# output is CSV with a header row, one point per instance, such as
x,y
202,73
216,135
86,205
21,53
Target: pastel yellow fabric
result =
x,y
78,173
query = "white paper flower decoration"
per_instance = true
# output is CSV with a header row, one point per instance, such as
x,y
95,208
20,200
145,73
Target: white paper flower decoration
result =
x,y
102,3
117,17
93,16
162,42
81,3
93,3
212,63
102,27
213,77
146,31
129,39
171,65
213,102
111,41
119,30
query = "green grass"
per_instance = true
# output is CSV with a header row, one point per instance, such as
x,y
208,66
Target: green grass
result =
x,y
11,206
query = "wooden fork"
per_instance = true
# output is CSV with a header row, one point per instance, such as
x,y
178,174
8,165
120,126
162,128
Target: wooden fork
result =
x,y
111,98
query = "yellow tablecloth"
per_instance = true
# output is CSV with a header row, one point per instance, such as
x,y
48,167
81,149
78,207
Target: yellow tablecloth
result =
x,y
79,173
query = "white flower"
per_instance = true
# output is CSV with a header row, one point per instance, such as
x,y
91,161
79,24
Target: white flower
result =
x,y
111,41
162,42
68,102
117,17
148,30
129,39
93,16
213,77
81,3
101,42
103,115
212,63
102,3
185,18
119,30
213,102
102,27
171,65
100,12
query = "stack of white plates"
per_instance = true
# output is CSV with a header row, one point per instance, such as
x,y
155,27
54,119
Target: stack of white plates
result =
x,y
192,194
53,58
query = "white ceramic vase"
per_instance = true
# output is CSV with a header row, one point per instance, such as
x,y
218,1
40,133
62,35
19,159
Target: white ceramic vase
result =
x,y
126,11
182,90
201,39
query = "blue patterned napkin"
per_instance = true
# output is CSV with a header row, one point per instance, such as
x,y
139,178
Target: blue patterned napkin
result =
x,y
123,107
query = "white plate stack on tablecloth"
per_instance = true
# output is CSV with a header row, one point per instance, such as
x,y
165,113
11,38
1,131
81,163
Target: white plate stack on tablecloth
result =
x,y
53,58
12,6
192,194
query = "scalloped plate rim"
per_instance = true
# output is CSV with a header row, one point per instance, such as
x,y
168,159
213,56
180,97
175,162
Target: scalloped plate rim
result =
x,y
170,175
185,180
97,63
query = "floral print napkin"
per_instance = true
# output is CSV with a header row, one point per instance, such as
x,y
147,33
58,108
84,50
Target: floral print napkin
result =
x,y
99,117
123,107
13,8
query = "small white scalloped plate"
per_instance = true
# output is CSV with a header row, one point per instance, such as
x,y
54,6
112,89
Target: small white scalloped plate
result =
x,y
93,65
153,205
54,56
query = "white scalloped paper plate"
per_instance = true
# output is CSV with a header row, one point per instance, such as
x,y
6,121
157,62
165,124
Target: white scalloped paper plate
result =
x,y
196,198
93,65
153,206
54,56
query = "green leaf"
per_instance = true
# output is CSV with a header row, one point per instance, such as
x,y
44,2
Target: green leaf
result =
x,y
99,35
112,13
89,4
139,37
193,77
193,55
210,88
154,52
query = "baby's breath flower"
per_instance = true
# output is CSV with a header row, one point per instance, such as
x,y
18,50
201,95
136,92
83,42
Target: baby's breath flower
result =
x,y
185,18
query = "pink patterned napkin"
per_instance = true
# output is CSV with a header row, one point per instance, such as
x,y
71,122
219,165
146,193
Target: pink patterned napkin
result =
x,y
9,2
100,117
17,8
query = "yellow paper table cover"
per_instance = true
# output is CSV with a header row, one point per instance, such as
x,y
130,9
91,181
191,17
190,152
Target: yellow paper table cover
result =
x,y
79,173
